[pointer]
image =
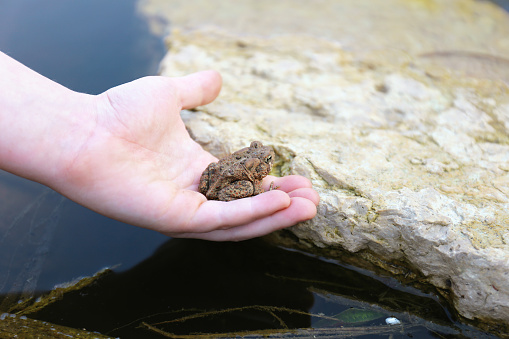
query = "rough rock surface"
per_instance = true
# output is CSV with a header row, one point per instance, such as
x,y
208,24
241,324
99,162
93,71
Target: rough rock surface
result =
x,y
412,165
469,36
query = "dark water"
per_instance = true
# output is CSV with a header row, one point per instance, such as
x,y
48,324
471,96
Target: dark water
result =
x,y
256,286
45,239
88,46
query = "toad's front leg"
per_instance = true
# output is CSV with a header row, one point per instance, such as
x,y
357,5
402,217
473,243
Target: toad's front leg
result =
x,y
273,186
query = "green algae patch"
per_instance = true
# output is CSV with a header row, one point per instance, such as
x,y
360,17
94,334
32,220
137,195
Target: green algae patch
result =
x,y
15,323
12,326
32,305
350,316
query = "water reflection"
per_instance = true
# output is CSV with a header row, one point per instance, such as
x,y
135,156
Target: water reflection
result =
x,y
25,244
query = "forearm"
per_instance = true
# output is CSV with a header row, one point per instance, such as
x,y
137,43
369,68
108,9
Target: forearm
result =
x,y
41,122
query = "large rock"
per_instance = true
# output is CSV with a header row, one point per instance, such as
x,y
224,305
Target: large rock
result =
x,y
471,36
412,165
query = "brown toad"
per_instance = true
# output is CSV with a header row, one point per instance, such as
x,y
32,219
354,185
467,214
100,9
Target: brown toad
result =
x,y
238,175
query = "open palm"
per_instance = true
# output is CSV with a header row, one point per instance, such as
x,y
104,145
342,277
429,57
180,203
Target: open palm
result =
x,y
139,165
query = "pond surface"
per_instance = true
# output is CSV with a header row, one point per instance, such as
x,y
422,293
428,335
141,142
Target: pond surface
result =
x,y
177,286
88,46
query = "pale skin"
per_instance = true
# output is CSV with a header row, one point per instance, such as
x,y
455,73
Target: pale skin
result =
x,y
126,154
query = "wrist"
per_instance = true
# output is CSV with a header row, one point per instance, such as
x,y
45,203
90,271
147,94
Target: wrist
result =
x,y
70,126
42,124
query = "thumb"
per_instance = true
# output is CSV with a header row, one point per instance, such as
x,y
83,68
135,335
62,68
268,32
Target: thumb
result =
x,y
198,88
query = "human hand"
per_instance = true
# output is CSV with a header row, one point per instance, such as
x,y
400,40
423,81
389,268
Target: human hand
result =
x,y
138,164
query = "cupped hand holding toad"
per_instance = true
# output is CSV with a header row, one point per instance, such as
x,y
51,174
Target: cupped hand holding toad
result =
x,y
126,154
143,167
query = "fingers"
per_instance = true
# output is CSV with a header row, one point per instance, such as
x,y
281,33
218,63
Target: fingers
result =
x,y
252,217
294,185
288,183
300,209
213,215
306,193
198,88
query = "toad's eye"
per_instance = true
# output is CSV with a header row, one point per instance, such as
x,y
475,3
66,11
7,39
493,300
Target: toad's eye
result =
x,y
238,157
268,159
